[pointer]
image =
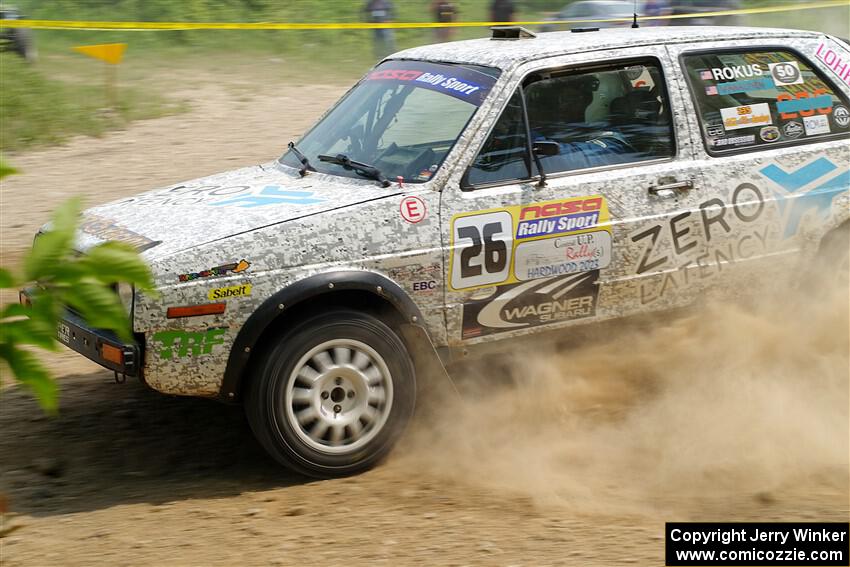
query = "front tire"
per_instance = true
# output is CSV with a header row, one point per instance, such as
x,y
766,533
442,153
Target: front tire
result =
x,y
333,394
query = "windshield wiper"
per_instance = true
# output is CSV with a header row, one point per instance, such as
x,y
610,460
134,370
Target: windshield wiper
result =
x,y
305,163
363,169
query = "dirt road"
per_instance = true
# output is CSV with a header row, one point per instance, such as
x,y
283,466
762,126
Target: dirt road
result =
x,y
734,413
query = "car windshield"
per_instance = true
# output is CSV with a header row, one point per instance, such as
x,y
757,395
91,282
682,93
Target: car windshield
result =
x,y
402,119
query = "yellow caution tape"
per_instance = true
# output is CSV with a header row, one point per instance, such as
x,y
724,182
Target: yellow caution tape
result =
x,y
162,26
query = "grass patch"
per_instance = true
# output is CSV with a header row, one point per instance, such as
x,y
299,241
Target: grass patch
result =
x,y
37,110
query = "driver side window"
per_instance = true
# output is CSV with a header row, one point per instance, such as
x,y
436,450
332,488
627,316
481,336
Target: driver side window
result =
x,y
592,118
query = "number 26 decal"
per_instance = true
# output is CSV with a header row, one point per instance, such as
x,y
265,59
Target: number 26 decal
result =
x,y
480,251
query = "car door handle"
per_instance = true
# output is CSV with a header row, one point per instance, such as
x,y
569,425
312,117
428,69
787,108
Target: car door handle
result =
x,y
670,190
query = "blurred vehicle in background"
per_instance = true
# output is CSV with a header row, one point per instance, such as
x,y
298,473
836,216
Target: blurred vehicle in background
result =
x,y
19,40
591,10
706,7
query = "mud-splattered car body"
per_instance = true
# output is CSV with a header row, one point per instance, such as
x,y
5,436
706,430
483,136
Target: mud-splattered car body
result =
x,y
457,256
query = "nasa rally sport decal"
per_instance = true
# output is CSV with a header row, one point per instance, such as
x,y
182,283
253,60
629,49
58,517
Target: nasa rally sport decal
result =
x,y
532,303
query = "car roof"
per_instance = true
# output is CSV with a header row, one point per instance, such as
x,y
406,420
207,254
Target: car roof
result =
x,y
506,54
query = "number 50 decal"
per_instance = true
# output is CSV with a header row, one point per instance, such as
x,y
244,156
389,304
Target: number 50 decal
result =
x,y
480,249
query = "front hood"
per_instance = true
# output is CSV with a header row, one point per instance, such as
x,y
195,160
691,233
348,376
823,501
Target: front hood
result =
x,y
204,210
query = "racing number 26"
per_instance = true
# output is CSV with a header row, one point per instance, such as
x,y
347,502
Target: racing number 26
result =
x,y
480,255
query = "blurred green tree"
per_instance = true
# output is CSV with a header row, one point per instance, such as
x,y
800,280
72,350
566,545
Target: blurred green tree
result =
x,y
63,278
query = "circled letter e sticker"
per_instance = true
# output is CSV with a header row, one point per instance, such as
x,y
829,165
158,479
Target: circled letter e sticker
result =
x,y
413,209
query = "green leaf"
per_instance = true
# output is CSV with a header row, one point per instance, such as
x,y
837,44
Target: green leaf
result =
x,y
117,262
26,331
7,280
28,370
99,306
51,248
5,168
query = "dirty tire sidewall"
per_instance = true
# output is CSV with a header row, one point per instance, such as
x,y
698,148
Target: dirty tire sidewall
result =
x,y
266,400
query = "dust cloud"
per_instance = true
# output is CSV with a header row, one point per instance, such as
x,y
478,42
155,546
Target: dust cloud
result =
x,y
733,398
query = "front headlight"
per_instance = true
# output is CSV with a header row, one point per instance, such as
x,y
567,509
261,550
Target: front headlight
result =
x,y
125,294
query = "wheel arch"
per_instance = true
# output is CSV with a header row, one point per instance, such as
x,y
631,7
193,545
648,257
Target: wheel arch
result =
x,y
357,289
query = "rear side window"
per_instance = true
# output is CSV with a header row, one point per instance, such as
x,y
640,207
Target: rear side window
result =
x,y
752,99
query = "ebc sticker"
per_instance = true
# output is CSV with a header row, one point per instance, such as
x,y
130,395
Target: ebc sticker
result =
x,y
489,247
453,80
747,116
530,304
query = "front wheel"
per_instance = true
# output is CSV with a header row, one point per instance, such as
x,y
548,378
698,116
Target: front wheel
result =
x,y
332,396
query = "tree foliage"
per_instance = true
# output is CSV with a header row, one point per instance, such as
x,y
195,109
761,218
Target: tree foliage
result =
x,y
61,278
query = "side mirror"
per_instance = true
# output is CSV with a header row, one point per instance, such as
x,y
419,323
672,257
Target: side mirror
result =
x,y
546,148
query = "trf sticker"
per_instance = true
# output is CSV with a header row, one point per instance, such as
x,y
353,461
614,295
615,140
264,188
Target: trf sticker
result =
x,y
187,343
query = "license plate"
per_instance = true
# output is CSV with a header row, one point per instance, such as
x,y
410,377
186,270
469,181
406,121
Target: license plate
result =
x,y
63,333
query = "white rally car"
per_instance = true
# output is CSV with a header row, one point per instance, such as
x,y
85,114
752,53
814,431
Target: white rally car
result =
x,y
473,192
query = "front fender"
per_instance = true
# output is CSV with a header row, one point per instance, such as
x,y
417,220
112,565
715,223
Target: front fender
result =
x,y
296,293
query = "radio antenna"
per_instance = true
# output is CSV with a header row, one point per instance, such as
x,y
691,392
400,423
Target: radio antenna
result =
x,y
634,21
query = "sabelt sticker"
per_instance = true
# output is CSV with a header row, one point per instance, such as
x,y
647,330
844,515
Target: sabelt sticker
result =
x,y
231,291
413,209
792,130
786,73
524,242
769,133
841,116
533,303
737,117
816,125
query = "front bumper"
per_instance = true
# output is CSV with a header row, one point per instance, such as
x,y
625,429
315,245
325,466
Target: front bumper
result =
x,y
99,345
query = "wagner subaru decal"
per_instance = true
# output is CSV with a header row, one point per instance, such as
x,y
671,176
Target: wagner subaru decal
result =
x,y
533,303
503,246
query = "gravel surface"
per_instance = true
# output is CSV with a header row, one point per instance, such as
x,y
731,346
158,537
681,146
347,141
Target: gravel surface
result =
x,y
576,458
